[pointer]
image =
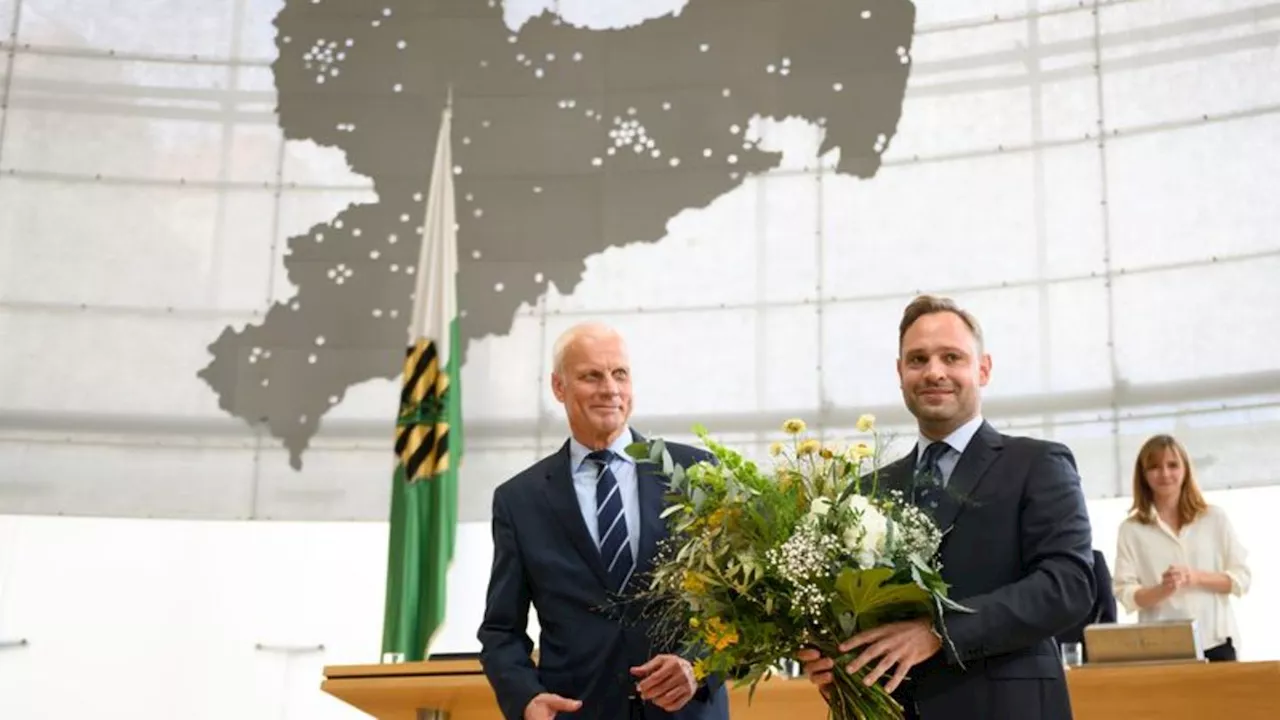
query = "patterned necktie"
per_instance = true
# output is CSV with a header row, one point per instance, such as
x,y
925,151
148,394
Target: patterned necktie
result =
x,y
615,539
929,484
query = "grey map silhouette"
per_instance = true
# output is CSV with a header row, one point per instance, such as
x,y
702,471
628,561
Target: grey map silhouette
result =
x,y
567,140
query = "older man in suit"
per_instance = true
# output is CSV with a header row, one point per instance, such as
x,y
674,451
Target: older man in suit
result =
x,y
572,535
1017,548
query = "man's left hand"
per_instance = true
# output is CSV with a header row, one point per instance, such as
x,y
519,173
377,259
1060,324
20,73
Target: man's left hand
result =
x,y
901,644
667,681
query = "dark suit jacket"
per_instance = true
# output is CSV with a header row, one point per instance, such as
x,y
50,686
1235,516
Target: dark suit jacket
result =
x,y
543,556
1104,603
1018,550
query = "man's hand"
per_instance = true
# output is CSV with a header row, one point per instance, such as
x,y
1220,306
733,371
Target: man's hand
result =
x,y
544,706
667,681
901,644
817,668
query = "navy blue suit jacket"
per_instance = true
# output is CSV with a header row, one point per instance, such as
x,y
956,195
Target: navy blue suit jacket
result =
x,y
1018,550
543,557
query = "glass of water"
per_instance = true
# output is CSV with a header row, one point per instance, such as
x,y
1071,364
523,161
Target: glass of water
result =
x,y
1072,654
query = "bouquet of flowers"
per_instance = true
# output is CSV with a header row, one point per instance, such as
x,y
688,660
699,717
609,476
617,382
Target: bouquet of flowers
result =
x,y
761,564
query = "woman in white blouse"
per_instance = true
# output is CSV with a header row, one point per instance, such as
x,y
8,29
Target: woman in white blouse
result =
x,y
1177,557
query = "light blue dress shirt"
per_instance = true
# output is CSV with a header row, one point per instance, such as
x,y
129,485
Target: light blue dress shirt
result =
x,y
624,471
956,442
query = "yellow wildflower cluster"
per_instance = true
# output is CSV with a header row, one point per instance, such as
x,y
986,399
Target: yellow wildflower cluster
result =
x,y
693,583
719,634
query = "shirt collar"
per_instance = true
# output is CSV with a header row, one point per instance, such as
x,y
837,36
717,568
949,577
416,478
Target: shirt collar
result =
x,y
578,452
958,440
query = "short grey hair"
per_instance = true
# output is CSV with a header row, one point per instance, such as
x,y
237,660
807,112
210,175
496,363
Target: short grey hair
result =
x,y
572,335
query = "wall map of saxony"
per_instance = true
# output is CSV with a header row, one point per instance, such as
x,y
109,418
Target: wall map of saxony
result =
x,y
567,140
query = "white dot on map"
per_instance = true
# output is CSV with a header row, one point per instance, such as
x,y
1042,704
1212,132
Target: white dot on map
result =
x,y
498,287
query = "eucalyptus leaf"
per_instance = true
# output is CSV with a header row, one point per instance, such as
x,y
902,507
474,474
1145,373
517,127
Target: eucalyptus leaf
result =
x,y
670,511
639,451
657,450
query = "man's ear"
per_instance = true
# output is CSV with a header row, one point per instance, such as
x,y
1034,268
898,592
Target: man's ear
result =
x,y
984,370
557,386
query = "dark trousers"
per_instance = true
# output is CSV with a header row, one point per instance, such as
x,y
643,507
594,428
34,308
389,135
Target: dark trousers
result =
x,y
1226,652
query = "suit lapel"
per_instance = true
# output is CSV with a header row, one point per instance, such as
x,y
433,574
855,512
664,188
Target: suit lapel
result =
x,y
651,487
564,503
894,476
974,463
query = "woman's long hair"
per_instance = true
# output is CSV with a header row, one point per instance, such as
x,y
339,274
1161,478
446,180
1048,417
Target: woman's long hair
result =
x,y
1191,504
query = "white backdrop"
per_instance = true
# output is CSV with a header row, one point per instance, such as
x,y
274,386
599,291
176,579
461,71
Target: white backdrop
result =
x,y
1114,232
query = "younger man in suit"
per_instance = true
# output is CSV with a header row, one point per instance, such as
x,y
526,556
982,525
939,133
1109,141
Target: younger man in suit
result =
x,y
1017,548
571,535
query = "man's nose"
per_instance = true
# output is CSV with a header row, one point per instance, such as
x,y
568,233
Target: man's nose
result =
x,y
935,370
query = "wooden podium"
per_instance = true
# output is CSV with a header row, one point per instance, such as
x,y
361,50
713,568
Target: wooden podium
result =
x,y
458,690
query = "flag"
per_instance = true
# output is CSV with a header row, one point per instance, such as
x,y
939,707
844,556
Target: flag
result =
x,y
428,439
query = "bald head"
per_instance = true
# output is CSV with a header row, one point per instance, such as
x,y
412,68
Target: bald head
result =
x,y
591,377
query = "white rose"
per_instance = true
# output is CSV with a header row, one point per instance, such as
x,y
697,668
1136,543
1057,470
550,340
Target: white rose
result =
x,y
819,507
867,538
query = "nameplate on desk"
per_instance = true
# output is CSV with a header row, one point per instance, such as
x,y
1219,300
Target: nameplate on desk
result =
x,y
1143,643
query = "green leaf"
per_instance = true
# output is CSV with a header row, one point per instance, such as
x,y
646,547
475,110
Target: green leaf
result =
x,y
866,594
848,623
699,498
657,450
639,451
679,480
670,511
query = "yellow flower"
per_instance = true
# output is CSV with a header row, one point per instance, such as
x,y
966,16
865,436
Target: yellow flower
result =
x,y
694,622
826,453
808,447
719,634
775,449
716,518
700,669
862,450
794,426
694,584
866,423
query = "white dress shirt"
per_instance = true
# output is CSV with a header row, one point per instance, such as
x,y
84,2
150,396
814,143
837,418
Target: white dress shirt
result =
x,y
1144,552
623,467
956,442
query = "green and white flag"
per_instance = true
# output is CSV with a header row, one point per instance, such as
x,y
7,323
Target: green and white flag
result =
x,y
424,494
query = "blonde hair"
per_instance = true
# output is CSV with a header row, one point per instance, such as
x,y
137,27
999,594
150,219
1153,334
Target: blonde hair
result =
x,y
575,333
1191,503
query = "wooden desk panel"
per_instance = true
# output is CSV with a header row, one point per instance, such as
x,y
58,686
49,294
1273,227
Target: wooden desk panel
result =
x,y
1194,691
1233,691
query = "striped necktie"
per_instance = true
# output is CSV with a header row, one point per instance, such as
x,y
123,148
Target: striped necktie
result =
x,y
615,538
